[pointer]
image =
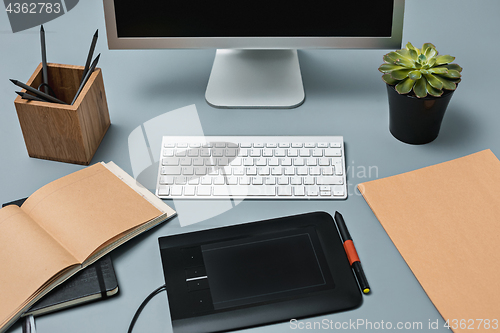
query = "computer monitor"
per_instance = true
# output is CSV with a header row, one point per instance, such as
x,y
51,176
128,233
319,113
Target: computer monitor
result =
x,y
256,63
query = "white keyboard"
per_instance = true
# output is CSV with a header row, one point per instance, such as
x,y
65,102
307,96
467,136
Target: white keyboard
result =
x,y
258,167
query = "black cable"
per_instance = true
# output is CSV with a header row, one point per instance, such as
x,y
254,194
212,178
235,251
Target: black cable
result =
x,y
144,303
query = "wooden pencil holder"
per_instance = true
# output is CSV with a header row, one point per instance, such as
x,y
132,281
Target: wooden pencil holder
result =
x,y
65,133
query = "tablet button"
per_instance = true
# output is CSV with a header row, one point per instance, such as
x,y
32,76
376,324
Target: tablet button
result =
x,y
198,284
200,300
195,272
192,257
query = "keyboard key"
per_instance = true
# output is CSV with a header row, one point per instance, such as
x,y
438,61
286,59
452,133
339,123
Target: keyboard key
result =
x,y
257,180
176,190
200,171
338,190
270,180
170,161
327,171
315,171
180,180
338,169
185,161
236,190
335,180
166,180
163,190
194,181
304,152
317,152
282,180
219,180
255,152
286,161
171,170
189,190
324,161
232,180
188,170
204,190
299,161
332,152
273,161
285,191
244,180
309,180
311,161
299,191
280,152
264,171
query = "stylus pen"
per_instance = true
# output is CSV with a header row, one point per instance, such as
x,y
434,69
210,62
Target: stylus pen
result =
x,y
91,54
86,78
39,93
30,97
45,78
352,255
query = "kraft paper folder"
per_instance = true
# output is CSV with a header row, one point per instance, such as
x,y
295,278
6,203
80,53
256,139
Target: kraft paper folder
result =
x,y
445,222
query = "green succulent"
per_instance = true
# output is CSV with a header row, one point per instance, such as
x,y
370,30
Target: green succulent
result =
x,y
420,70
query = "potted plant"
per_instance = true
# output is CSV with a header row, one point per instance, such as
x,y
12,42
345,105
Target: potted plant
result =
x,y
420,84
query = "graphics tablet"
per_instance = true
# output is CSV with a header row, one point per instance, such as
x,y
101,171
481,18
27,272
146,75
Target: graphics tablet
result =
x,y
257,273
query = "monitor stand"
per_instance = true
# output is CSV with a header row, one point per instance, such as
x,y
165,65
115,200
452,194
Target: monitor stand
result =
x,y
255,79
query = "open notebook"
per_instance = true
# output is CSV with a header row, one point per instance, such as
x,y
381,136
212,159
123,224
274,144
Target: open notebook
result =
x,y
445,221
65,226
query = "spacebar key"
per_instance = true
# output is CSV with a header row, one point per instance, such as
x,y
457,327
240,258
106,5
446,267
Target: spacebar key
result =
x,y
244,190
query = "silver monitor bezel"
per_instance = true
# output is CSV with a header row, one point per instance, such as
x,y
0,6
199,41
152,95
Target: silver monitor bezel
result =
x,y
254,42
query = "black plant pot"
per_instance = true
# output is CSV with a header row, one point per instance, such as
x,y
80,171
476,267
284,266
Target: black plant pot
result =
x,y
416,120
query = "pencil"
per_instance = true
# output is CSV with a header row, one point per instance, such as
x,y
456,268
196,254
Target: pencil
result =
x,y
39,93
91,54
30,97
45,77
85,79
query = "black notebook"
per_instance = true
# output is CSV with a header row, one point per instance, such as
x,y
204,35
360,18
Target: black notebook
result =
x,y
97,281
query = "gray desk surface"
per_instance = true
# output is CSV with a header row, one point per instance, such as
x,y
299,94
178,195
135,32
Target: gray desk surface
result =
x,y
345,96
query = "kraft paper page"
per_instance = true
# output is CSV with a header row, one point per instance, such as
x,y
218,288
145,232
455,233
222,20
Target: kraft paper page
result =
x,y
444,220
28,261
86,209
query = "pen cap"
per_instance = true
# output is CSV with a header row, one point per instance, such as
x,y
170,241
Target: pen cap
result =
x,y
342,227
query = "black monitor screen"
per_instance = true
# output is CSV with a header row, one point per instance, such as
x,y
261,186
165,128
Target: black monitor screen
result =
x,y
255,18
